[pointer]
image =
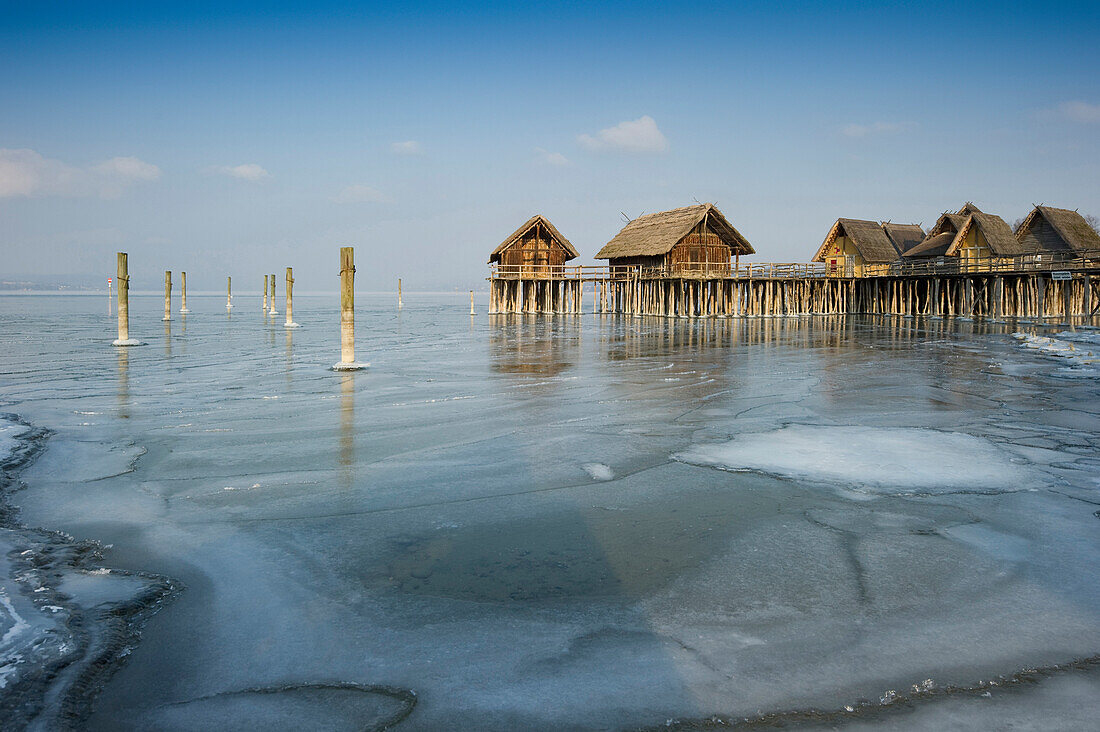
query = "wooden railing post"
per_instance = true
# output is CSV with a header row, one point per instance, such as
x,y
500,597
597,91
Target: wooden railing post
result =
x,y
347,312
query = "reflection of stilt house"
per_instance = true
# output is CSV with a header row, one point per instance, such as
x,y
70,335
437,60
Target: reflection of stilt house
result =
x,y
694,241
1051,229
529,273
853,243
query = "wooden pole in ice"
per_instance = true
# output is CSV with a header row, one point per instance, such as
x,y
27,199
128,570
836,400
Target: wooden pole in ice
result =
x,y
273,311
290,299
265,293
167,295
123,277
399,303
347,312
472,312
183,293
228,293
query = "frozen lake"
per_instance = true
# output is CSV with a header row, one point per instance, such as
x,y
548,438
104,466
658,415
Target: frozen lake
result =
x,y
520,522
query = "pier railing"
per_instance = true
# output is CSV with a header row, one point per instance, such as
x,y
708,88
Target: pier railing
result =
x,y
1024,264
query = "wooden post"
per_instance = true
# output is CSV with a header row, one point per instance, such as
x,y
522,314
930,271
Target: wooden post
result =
x,y
123,277
110,296
347,312
399,303
1087,295
183,293
290,299
1067,301
167,295
472,311
273,311
1040,296
228,293
265,293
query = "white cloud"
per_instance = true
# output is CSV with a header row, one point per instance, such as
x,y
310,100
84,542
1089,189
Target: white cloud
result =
x,y
360,194
26,173
876,128
633,136
1078,111
409,147
551,158
246,171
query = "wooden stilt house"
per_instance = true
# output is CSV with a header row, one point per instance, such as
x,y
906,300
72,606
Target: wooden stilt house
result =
x,y
535,249
982,239
852,244
942,234
1048,229
903,236
694,241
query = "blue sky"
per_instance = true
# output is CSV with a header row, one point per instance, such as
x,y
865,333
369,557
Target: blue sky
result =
x,y
245,139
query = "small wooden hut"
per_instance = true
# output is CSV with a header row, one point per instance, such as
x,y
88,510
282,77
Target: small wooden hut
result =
x,y
853,243
535,249
690,241
942,235
1048,229
903,236
983,239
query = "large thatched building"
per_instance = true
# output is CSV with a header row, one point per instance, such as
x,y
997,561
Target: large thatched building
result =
x,y
535,248
851,244
1051,229
942,234
984,237
694,239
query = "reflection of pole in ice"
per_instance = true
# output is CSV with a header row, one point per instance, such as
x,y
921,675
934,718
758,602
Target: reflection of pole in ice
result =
x,y
123,277
123,383
289,355
183,293
167,338
167,295
347,312
347,428
290,299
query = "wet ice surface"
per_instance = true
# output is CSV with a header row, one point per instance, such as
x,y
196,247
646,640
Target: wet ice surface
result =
x,y
583,522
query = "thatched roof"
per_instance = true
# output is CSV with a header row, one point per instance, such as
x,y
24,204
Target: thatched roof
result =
x,y
1070,226
903,236
656,234
933,246
527,226
967,209
947,223
997,233
869,238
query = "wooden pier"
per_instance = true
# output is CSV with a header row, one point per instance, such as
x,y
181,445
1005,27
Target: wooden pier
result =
x,y
1051,285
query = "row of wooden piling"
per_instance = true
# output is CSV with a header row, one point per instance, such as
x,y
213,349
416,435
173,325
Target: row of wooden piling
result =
x,y
1023,295
347,304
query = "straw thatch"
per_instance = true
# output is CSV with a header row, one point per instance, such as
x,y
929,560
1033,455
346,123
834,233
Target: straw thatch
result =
x,y
903,236
869,238
531,223
933,246
967,209
998,235
1057,230
657,233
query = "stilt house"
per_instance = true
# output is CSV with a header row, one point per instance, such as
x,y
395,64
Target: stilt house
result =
x,y
691,241
982,239
854,243
942,235
535,249
903,236
1049,229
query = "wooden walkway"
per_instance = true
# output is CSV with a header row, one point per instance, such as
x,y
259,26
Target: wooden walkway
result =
x,y
1048,285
